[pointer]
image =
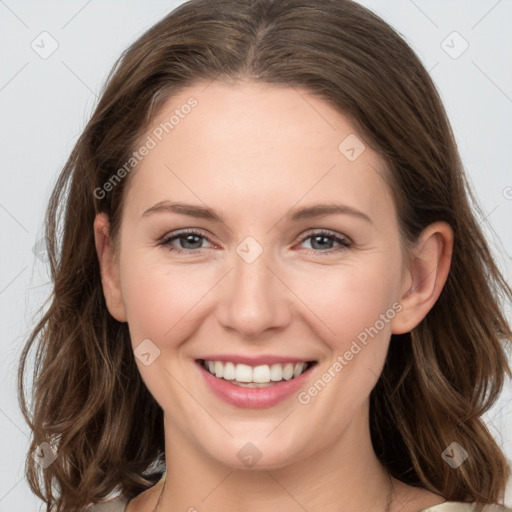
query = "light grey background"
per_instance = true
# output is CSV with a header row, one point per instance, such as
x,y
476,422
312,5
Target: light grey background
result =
x,y
45,103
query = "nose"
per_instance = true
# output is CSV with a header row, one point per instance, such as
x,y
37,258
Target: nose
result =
x,y
254,298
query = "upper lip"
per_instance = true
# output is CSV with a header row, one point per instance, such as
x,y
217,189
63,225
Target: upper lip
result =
x,y
254,360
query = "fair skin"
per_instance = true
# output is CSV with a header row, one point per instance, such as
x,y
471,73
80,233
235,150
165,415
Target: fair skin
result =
x,y
253,152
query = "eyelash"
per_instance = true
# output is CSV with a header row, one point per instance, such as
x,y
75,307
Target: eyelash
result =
x,y
345,243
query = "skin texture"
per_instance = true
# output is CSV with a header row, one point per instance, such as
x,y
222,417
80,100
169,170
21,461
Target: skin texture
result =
x,y
252,152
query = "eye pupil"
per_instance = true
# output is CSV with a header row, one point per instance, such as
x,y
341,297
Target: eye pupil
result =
x,y
322,240
190,239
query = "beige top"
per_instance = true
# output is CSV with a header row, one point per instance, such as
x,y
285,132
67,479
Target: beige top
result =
x,y
119,505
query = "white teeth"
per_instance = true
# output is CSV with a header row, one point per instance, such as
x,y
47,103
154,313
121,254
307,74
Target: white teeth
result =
x,y
298,369
219,369
276,372
258,375
229,371
261,373
243,373
288,371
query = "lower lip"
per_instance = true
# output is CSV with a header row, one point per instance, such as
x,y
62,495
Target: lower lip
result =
x,y
254,398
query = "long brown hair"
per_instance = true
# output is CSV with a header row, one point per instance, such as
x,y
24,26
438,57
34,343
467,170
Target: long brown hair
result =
x,y
438,380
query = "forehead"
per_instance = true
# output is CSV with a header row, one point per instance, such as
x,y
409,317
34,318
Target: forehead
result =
x,y
250,143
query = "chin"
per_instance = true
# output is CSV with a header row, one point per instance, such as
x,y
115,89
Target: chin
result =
x,y
254,453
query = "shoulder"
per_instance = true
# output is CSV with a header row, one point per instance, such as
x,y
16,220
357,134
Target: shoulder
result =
x,y
458,506
115,505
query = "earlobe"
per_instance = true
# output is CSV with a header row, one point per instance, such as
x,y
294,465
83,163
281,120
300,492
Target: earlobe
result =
x,y
109,271
426,276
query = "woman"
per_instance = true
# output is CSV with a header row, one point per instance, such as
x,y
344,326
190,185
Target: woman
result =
x,y
331,337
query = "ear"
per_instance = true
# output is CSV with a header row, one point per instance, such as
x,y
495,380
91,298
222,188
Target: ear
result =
x,y
426,274
109,269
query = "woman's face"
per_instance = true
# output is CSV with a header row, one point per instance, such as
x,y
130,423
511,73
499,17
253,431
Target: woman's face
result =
x,y
267,277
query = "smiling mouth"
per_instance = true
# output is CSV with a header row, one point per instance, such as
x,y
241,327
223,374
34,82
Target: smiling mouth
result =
x,y
260,376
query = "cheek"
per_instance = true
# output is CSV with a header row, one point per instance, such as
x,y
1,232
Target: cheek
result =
x,y
351,299
166,302
161,299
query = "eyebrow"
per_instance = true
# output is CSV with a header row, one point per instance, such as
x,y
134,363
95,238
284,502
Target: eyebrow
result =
x,y
307,212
